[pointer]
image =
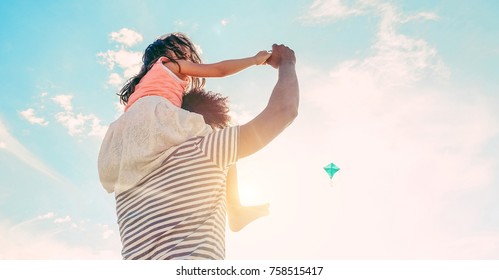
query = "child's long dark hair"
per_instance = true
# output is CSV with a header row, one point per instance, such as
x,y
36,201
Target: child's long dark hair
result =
x,y
174,46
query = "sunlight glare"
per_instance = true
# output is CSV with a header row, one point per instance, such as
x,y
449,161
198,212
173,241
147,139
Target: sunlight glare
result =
x,y
249,194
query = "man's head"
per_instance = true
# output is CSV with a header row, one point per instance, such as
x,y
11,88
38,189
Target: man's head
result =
x,y
212,106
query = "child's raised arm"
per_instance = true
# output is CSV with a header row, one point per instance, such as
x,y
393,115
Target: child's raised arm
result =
x,y
222,68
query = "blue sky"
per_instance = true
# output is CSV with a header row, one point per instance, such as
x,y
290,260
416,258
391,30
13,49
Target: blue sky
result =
x,y
402,95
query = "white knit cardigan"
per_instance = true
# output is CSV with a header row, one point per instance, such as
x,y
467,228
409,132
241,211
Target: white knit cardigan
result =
x,y
139,141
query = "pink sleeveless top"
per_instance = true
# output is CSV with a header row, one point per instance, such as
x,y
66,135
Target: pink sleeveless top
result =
x,y
160,81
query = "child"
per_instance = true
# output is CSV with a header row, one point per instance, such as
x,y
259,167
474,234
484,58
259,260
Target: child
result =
x,y
214,109
172,67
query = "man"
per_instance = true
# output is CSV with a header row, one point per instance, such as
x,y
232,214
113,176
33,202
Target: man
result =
x,y
178,211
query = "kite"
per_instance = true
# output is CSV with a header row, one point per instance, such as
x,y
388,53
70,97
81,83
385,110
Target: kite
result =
x,y
331,169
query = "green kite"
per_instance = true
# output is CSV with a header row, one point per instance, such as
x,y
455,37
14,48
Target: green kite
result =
x,y
331,169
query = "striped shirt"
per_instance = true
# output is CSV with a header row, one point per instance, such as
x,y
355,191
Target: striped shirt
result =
x,y
179,210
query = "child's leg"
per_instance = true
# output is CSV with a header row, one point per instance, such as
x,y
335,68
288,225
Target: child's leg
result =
x,y
240,216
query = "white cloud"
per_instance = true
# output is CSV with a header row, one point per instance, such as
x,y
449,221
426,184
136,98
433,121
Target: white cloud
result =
x,y
49,215
115,80
77,124
422,16
107,232
53,237
74,123
65,101
129,61
126,37
240,115
12,145
328,10
400,51
29,115
119,107
398,59
66,219
97,129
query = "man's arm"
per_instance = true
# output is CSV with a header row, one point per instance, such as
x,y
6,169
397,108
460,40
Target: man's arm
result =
x,y
281,110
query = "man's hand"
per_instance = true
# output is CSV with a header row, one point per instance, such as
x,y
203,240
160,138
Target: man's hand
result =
x,y
281,54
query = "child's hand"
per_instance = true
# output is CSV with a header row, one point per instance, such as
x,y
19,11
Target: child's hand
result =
x,y
261,57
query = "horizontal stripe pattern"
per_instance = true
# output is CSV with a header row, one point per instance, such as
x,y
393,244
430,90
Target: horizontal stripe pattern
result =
x,y
178,211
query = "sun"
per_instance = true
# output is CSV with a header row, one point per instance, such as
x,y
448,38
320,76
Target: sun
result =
x,y
249,194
